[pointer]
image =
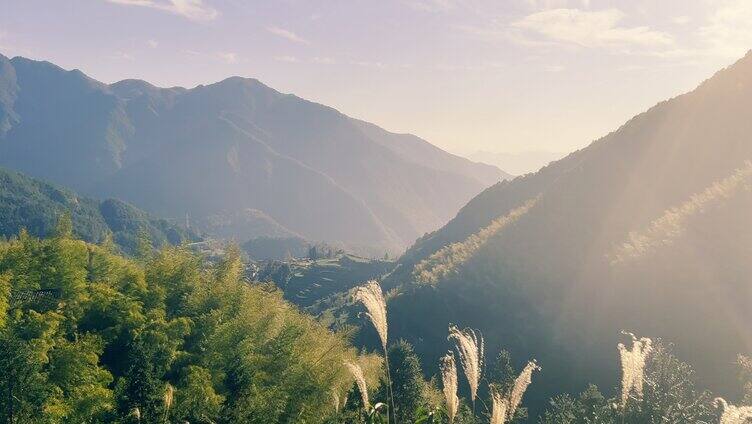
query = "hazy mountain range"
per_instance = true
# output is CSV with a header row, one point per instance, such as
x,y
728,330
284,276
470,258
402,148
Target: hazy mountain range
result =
x,y
246,159
519,163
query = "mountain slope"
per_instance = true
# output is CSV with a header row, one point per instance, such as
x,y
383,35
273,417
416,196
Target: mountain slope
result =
x,y
647,229
27,203
224,148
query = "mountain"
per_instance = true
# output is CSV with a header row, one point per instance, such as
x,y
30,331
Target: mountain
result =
x,y
517,163
34,205
648,229
223,149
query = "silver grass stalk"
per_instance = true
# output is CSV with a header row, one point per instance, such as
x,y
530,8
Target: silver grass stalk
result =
x,y
733,414
520,386
335,401
470,348
136,413
449,381
168,396
499,407
633,367
167,399
360,380
372,298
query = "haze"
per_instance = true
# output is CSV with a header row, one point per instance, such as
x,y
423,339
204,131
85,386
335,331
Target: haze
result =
x,y
468,75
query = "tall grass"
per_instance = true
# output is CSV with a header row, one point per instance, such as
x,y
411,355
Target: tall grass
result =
x,y
360,380
499,407
504,407
520,386
633,367
168,398
470,348
446,260
733,414
371,296
449,381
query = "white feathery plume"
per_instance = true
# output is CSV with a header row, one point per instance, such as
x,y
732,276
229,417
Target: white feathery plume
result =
x,y
470,348
335,400
499,407
168,396
372,298
633,366
136,412
449,381
520,386
360,380
733,414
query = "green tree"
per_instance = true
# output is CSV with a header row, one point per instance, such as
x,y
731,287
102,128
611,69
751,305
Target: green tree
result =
x,y
408,384
64,226
669,396
196,401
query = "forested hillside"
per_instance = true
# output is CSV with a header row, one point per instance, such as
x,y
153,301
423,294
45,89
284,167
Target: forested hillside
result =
x,y
240,157
646,229
89,336
36,206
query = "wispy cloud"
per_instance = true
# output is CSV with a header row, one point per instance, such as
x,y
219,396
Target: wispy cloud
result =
x,y
288,59
557,4
152,43
728,32
681,20
324,60
228,57
432,6
380,65
194,10
589,29
119,55
284,33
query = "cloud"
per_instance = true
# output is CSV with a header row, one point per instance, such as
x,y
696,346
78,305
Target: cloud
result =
x,y
281,32
556,4
228,57
194,10
121,56
433,6
324,60
588,29
152,43
728,32
681,20
288,59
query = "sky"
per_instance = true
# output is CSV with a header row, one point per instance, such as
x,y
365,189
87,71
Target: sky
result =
x,y
467,75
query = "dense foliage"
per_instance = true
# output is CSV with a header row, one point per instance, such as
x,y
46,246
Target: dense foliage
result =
x,y
89,336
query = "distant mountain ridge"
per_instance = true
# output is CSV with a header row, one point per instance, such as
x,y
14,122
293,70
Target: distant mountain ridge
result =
x,y
520,163
228,147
